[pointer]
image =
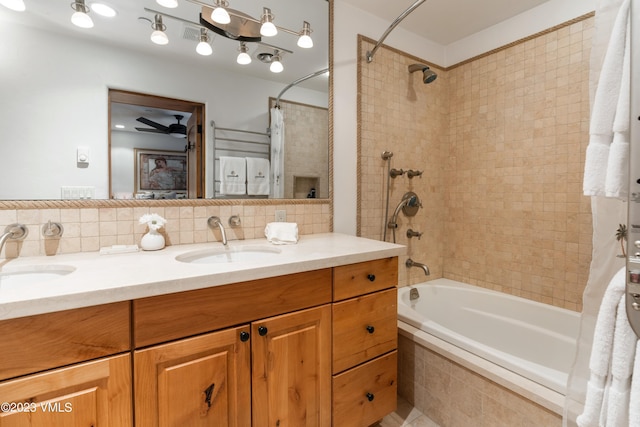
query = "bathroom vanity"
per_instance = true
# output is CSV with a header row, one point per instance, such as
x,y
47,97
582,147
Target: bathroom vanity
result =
x,y
307,337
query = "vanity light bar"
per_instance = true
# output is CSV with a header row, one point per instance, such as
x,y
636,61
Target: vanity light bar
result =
x,y
196,24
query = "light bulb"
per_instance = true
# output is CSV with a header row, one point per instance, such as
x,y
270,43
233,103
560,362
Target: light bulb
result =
x,y
168,3
220,15
267,29
82,20
244,58
204,48
305,41
159,37
276,66
17,5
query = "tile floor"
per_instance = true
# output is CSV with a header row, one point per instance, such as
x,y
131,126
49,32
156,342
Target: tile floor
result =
x,y
406,416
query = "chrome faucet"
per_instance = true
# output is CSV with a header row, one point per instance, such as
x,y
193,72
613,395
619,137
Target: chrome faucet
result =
x,y
214,222
13,232
411,263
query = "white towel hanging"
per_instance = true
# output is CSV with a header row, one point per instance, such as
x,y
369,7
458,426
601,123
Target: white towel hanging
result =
x,y
233,175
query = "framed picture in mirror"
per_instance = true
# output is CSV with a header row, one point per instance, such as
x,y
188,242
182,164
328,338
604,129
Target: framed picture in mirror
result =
x,y
160,173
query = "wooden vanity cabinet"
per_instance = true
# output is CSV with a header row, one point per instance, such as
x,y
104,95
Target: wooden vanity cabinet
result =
x,y
266,372
63,369
364,350
199,381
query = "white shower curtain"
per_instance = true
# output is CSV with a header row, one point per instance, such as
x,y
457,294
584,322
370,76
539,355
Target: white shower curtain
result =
x,y
277,154
607,214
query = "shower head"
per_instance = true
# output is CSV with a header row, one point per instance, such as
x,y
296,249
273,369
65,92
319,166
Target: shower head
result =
x,y
386,155
427,74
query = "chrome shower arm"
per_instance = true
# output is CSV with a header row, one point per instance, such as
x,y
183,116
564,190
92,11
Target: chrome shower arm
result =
x,y
393,25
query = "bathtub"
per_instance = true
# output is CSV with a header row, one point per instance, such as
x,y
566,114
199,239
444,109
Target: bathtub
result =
x,y
521,344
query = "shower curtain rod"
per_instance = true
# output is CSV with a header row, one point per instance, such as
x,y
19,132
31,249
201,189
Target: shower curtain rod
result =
x,y
300,80
393,25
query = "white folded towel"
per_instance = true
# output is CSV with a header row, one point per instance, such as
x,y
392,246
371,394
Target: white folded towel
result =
x,y
605,106
634,395
233,175
622,358
281,233
600,358
257,176
617,178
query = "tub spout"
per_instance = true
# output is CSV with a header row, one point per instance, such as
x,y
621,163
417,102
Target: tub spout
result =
x,y
411,263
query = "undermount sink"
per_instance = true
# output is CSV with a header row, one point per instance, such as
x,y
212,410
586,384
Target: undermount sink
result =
x,y
229,254
31,275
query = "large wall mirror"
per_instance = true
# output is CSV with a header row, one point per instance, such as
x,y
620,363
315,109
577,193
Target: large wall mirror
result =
x,y
56,80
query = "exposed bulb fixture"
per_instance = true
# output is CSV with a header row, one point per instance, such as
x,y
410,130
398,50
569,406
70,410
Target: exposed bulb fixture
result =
x,y
305,41
276,66
243,57
267,29
17,5
171,4
220,14
204,48
80,17
158,35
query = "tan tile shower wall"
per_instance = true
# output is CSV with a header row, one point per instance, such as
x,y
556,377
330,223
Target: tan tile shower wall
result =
x,y
399,113
516,219
89,229
501,140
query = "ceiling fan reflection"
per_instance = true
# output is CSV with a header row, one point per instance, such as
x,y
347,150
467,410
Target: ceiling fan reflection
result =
x,y
176,130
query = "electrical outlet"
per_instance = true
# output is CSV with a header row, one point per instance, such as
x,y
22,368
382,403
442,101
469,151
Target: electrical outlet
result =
x,y
281,216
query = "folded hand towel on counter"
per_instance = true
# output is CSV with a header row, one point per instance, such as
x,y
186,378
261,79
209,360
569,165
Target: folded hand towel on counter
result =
x,y
282,233
233,175
257,176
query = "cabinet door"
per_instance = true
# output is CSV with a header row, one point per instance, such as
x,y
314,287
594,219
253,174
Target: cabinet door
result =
x,y
95,394
292,369
196,382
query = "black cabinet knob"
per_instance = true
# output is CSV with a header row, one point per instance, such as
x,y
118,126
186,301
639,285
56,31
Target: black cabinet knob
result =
x,y
244,336
370,329
262,331
370,397
371,277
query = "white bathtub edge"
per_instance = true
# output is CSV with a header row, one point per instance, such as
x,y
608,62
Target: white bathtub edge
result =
x,y
530,390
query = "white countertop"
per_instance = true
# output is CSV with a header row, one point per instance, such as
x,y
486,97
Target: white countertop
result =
x,y
101,279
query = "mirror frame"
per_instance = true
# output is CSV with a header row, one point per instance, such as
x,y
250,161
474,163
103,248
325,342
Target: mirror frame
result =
x,y
112,203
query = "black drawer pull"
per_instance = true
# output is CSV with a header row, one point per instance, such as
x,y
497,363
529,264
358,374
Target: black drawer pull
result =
x,y
370,329
370,397
371,277
244,336
262,330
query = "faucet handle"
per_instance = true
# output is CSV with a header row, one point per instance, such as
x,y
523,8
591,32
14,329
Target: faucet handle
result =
x,y
234,221
52,229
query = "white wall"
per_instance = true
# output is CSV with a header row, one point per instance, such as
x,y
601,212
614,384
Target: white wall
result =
x,y
350,21
53,94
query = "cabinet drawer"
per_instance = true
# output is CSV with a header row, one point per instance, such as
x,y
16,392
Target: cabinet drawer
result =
x,y
45,341
173,316
367,393
364,328
364,277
